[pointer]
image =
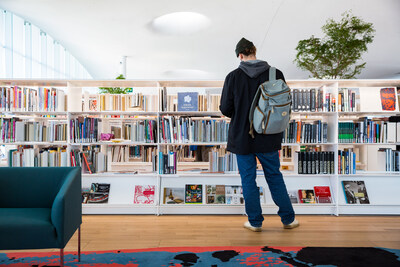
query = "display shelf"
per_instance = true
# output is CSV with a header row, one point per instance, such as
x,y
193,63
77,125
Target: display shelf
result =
x,y
122,184
197,144
128,175
115,113
193,113
35,113
308,144
119,209
34,144
372,174
115,144
373,144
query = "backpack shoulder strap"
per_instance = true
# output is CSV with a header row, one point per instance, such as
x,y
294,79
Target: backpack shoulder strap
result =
x,y
272,73
252,108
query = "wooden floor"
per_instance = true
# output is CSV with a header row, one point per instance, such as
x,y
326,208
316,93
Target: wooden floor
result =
x,y
110,232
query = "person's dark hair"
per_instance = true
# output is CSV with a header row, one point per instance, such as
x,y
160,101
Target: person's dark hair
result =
x,y
249,51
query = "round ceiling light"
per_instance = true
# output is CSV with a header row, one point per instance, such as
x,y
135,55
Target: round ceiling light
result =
x,y
180,23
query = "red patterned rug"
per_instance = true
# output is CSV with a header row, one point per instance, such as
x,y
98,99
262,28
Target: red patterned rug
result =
x,y
214,257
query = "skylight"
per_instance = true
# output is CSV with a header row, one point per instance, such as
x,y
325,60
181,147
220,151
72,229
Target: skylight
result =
x,y
180,23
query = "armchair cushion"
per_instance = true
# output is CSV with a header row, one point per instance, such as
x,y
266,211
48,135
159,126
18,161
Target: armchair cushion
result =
x,y
27,227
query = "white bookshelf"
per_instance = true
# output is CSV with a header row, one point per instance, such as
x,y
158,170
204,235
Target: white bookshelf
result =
x,y
381,186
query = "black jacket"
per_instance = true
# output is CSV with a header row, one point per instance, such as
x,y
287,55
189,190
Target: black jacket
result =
x,y
238,92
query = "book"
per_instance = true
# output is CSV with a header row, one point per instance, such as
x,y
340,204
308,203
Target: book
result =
x,y
355,192
305,132
388,99
312,100
215,194
98,194
293,196
315,162
194,194
306,196
188,101
234,195
173,195
323,194
144,194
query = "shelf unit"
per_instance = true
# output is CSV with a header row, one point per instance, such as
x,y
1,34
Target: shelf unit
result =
x,y
381,186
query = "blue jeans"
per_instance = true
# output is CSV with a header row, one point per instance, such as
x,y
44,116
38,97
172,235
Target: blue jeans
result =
x,y
247,165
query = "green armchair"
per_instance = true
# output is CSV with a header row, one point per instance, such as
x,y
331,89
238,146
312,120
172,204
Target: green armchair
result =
x,y
39,207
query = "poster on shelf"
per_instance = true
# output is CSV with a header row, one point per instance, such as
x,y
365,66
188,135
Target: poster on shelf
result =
x,y
188,101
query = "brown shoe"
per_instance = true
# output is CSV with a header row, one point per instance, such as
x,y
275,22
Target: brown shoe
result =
x,y
292,225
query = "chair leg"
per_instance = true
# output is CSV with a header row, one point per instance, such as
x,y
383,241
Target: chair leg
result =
x,y
62,257
79,244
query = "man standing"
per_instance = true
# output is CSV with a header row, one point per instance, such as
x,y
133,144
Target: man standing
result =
x,y
239,90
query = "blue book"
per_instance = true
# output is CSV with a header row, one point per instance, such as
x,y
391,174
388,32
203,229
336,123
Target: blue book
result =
x,y
188,101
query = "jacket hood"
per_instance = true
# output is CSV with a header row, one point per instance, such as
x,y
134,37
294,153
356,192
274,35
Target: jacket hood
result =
x,y
253,68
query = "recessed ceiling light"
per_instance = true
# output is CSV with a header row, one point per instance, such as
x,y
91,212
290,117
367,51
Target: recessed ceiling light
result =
x,y
180,23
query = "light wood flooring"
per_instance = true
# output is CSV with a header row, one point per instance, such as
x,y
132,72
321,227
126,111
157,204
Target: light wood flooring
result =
x,y
111,232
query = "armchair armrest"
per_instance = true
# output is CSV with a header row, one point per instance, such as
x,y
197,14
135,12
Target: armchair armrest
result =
x,y
66,211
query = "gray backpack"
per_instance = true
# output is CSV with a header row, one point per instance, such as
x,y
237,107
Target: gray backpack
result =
x,y
271,107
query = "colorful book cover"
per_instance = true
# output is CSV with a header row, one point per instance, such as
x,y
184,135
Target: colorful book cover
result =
x,y
194,194
234,195
144,194
323,194
174,195
388,99
99,193
215,194
355,192
188,101
307,196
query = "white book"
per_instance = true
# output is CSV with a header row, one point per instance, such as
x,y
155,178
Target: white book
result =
x,y
64,159
19,131
60,100
398,132
391,132
44,159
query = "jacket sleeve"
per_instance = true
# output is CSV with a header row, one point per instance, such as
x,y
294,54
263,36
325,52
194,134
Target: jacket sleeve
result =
x,y
227,102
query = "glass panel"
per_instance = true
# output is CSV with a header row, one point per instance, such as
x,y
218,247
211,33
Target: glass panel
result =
x,y
43,49
50,57
36,52
18,47
8,45
28,50
2,43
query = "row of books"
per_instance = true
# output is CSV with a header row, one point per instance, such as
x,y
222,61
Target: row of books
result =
x,y
222,161
90,159
318,194
167,160
304,132
369,131
312,162
26,99
189,101
84,129
133,154
388,160
144,131
346,161
14,130
99,193
312,100
347,99
120,102
185,129
27,156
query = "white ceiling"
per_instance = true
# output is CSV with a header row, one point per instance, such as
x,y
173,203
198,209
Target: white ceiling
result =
x,y
99,32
